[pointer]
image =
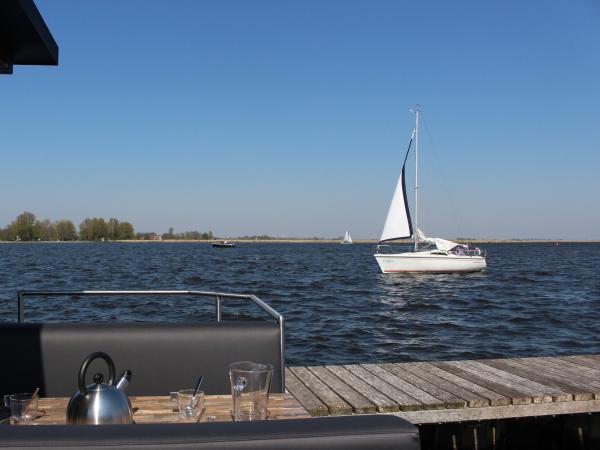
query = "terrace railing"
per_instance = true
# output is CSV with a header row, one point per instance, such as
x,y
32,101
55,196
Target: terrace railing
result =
x,y
218,297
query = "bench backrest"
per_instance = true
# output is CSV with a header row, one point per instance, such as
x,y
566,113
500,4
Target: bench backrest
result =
x,y
163,357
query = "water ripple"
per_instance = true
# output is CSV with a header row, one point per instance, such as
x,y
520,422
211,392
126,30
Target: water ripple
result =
x,y
536,299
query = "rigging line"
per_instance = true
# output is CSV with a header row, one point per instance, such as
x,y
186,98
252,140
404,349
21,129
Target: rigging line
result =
x,y
453,208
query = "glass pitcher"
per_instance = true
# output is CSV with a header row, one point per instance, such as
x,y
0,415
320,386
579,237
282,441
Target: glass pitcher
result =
x,y
250,386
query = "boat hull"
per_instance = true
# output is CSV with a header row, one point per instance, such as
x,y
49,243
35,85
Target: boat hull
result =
x,y
426,262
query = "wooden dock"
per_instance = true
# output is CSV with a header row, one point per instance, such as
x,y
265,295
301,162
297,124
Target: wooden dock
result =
x,y
451,391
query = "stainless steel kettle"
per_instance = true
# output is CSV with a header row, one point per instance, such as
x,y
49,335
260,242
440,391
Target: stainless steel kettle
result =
x,y
100,403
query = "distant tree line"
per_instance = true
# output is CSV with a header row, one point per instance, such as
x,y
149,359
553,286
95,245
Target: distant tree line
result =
x,y
187,235
26,227
266,237
97,229
260,237
151,236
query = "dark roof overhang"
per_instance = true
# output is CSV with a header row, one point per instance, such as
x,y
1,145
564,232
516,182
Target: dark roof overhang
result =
x,y
24,37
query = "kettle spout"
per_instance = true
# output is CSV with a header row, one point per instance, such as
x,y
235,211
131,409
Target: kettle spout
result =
x,y
124,380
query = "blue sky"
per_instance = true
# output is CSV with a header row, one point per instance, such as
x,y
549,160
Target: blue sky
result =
x,y
291,118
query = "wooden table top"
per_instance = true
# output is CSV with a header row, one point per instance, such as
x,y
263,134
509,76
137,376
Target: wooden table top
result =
x,y
163,409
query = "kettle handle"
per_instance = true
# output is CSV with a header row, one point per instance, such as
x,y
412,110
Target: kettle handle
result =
x,y
86,363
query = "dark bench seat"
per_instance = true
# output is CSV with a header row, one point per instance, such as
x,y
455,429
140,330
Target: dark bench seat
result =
x,y
379,432
163,357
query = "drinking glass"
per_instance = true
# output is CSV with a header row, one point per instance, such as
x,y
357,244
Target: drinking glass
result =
x,y
189,406
23,406
250,387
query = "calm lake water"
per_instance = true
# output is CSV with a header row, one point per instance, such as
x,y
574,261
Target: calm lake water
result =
x,y
535,299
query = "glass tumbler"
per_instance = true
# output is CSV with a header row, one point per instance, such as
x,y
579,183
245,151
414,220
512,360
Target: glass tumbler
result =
x,y
23,407
189,407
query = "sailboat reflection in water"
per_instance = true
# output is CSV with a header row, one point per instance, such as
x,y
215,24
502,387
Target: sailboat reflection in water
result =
x,y
430,254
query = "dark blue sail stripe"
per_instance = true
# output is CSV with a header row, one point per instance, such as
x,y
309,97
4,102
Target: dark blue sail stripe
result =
x,y
405,198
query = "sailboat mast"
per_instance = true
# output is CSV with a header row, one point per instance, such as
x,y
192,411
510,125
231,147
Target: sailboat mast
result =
x,y
416,177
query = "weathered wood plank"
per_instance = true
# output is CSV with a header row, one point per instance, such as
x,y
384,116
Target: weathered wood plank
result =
x,y
305,396
495,399
489,372
501,412
473,400
559,391
495,387
585,374
360,404
594,359
404,401
580,391
578,374
516,397
427,400
383,403
583,360
450,400
336,405
539,393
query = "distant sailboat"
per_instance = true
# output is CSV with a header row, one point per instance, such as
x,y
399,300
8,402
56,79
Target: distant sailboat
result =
x,y
347,238
435,254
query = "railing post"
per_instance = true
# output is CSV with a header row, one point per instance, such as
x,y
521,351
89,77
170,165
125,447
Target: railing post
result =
x,y
218,307
282,349
20,308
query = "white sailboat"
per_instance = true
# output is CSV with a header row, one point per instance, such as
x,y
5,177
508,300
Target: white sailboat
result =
x,y
430,254
347,238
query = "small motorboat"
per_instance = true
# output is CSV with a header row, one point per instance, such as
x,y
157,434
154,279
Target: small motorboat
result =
x,y
223,244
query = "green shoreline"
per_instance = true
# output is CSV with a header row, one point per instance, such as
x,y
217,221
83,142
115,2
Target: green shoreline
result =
x,y
313,241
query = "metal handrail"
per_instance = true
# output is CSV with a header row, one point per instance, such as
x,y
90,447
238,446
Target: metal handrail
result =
x,y
218,296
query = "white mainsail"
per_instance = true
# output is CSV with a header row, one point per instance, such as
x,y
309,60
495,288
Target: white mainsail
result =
x,y
347,238
397,223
